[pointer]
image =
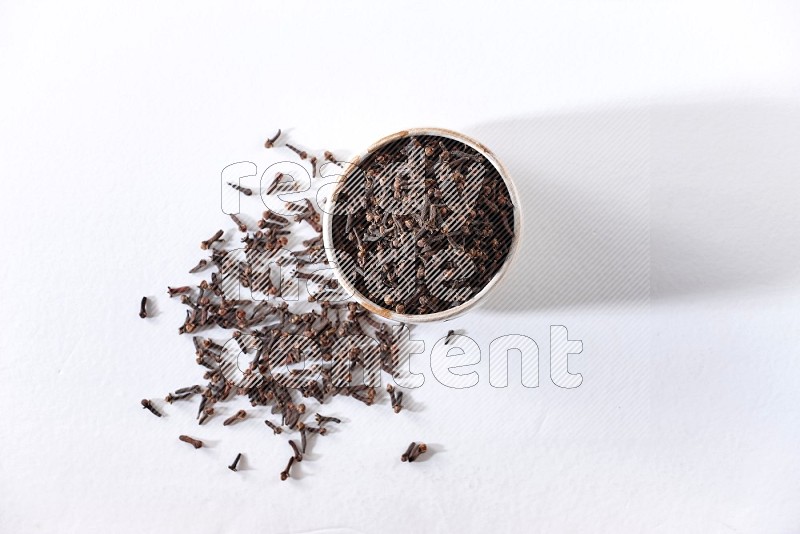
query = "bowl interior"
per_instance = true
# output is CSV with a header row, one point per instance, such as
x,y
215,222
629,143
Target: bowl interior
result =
x,y
421,153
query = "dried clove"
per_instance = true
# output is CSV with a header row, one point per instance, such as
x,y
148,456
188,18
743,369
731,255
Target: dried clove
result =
x,y
149,406
301,153
313,162
238,416
285,472
449,335
244,190
242,227
407,453
270,142
420,448
196,443
330,157
275,428
234,465
322,419
298,456
199,267
214,238
172,291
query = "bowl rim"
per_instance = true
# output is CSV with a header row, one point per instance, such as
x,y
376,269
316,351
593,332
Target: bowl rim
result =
x,y
351,166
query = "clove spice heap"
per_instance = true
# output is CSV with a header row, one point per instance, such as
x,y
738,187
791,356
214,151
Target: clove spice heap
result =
x,y
256,337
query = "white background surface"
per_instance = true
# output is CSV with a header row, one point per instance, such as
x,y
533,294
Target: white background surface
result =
x,y
656,149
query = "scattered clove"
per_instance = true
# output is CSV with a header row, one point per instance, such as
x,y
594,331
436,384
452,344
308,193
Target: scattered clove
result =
x,y
196,443
407,453
275,428
301,153
271,141
149,406
238,416
242,227
322,419
330,157
235,463
214,238
418,449
143,308
199,267
449,335
285,472
244,190
298,456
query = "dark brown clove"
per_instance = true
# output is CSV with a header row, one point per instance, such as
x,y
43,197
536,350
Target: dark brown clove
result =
x,y
285,472
311,217
239,223
149,406
405,455
398,403
143,308
214,238
392,397
322,419
238,416
274,183
301,153
270,142
189,389
420,448
196,443
313,162
235,463
275,428
244,190
199,267
170,398
298,456
303,438
172,291
330,157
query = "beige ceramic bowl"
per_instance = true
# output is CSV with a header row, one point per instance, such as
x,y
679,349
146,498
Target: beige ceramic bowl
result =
x,y
327,232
